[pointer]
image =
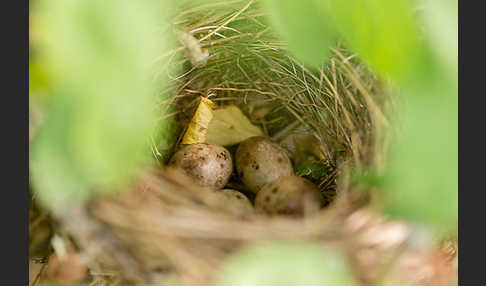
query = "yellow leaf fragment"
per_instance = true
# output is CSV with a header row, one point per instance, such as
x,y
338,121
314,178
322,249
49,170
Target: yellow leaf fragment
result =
x,y
198,127
230,126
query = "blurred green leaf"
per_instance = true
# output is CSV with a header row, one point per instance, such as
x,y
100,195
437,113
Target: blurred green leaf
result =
x,y
365,179
384,33
306,27
422,180
285,263
440,20
38,77
97,132
53,170
164,138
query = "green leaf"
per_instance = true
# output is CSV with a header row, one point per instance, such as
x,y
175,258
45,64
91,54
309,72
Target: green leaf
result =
x,y
305,26
440,20
365,179
422,181
312,169
38,77
285,263
230,126
383,33
55,176
164,138
97,132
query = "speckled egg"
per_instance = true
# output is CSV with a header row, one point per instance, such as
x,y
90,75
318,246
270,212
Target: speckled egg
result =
x,y
206,164
259,161
289,195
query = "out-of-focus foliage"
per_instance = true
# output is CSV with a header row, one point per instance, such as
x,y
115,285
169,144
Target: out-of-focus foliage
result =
x,y
422,182
305,26
38,76
440,20
382,32
100,55
414,44
164,138
285,263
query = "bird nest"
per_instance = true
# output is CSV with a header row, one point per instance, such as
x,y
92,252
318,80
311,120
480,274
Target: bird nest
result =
x,y
163,228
